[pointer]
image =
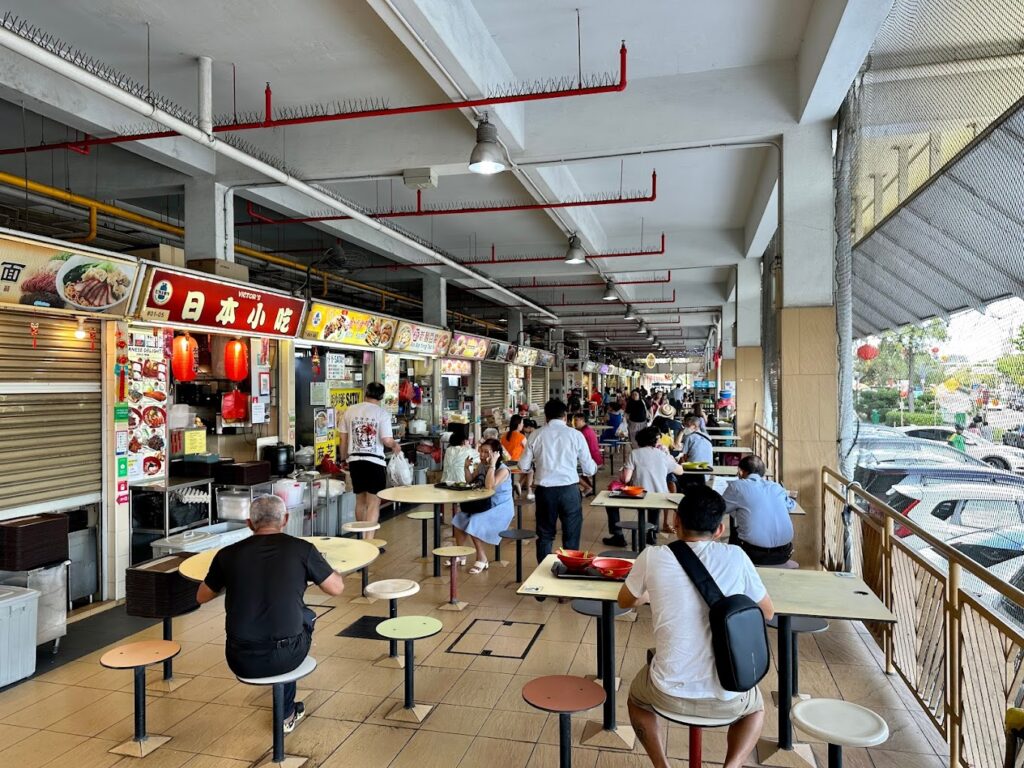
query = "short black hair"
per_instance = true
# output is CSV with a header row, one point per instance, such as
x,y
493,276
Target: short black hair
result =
x,y
752,465
647,437
375,390
554,409
529,423
701,509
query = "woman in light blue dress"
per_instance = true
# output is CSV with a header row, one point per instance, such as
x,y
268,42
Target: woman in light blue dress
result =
x,y
483,528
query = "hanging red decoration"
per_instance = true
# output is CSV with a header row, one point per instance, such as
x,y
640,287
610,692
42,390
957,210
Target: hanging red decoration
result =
x,y
92,339
183,358
867,352
935,350
236,360
316,363
33,328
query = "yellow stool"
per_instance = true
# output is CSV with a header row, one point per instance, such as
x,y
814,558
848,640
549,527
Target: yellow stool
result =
x,y
453,604
136,657
364,573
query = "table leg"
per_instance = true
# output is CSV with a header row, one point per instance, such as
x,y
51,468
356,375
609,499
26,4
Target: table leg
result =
x,y
423,539
785,682
565,740
641,530
140,703
168,635
392,613
438,514
607,734
409,666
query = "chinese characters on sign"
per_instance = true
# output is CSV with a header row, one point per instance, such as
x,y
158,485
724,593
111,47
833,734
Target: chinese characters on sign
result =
x,y
174,297
421,339
526,356
456,367
469,347
348,326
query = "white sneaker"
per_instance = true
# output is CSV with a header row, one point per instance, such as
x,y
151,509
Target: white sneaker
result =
x,y
530,496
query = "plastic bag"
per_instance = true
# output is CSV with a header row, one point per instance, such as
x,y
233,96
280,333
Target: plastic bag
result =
x,y
399,471
622,430
234,406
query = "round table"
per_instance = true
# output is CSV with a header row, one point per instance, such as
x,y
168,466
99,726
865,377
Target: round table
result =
x,y
428,494
343,555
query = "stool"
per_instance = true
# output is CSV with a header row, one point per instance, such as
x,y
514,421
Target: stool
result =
x,y
378,543
391,590
453,604
409,629
423,516
839,724
360,528
136,657
592,608
798,625
519,536
633,526
563,695
277,756
168,681
696,726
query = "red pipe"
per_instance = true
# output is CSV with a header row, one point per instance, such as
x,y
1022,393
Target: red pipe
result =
x,y
535,284
269,122
421,211
605,303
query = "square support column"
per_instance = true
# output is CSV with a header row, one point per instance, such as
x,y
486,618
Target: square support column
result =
x,y
209,220
515,325
749,391
435,300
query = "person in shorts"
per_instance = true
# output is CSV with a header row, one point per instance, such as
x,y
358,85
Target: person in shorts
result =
x,y
365,430
681,677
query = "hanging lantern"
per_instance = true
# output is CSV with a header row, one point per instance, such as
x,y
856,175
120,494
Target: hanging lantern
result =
x,y
935,350
316,363
952,384
183,358
33,328
867,352
236,360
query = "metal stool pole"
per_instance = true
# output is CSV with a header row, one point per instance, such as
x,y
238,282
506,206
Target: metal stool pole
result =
x,y
564,740
278,722
140,703
393,613
409,697
169,664
519,561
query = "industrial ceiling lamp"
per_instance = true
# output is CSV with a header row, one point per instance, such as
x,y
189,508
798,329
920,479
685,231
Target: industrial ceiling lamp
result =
x,y
641,328
486,157
630,314
650,337
609,293
575,254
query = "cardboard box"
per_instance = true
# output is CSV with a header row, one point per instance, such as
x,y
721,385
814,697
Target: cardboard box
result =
x,y
221,268
165,254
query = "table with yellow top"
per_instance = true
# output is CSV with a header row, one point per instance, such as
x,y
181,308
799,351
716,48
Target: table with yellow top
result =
x,y
343,555
650,501
438,497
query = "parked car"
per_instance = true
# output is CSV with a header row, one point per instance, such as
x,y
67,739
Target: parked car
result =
x,y
999,456
1014,436
878,479
908,451
948,509
866,430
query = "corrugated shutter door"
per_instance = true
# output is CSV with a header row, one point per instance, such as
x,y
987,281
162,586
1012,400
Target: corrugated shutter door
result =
x,y
538,386
51,437
492,387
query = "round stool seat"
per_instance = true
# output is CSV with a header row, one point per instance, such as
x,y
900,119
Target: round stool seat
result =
x,y
803,624
392,589
518,534
842,723
454,551
593,608
622,554
359,527
421,514
409,628
140,654
631,525
378,543
695,721
308,665
789,565
563,694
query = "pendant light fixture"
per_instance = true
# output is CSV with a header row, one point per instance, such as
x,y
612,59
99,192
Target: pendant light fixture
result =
x,y
486,158
575,254
641,328
609,293
80,333
630,314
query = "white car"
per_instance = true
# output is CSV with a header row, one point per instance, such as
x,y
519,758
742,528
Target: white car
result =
x,y
999,456
948,510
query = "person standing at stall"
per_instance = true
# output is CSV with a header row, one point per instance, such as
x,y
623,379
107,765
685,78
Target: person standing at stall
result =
x,y
365,431
637,415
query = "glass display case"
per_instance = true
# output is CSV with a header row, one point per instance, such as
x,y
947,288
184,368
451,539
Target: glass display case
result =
x,y
163,507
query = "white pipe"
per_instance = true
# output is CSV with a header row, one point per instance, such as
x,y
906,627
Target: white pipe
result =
x,y
206,95
44,58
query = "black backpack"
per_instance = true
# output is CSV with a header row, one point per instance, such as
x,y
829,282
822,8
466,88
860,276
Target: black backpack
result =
x,y
739,638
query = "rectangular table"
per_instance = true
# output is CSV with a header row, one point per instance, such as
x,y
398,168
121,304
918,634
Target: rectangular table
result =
x,y
612,446
650,501
716,470
543,583
730,449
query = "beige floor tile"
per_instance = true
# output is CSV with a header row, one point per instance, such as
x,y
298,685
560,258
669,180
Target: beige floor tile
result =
x,y
71,673
868,687
65,702
161,715
211,761
165,757
840,648
514,726
454,718
432,684
12,734
205,726
348,706
204,689
904,733
24,695
354,648
97,717
884,758
317,738
430,749
91,753
478,689
495,664
369,746
331,674
39,749
108,679
198,660
246,740
546,756
375,681
496,754
548,658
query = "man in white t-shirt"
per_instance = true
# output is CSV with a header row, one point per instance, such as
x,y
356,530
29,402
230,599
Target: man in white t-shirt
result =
x,y
365,431
682,677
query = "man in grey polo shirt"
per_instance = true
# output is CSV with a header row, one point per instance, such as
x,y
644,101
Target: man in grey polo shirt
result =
x,y
760,514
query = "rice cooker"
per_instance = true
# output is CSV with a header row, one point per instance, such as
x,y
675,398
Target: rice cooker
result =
x,y
233,505
281,458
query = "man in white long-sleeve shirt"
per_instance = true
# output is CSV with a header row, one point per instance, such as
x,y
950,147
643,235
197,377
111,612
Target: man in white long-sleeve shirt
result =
x,y
557,449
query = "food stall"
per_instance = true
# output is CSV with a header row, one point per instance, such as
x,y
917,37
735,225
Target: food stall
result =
x,y
196,388
477,396
419,348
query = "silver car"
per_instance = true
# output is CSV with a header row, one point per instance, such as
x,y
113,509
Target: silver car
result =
x,y
995,455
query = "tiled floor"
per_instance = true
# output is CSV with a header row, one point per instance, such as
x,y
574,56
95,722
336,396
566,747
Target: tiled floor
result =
x,y
72,715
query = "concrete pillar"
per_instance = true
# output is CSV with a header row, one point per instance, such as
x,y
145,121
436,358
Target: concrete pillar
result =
x,y
748,373
808,396
435,300
286,391
209,220
515,325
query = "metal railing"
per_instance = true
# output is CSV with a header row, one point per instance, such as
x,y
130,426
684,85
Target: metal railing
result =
x,y
766,445
958,651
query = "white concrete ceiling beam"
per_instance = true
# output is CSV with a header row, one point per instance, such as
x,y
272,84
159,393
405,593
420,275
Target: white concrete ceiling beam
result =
x,y
763,216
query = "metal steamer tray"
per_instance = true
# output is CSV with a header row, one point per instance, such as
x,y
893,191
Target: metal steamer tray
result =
x,y
561,572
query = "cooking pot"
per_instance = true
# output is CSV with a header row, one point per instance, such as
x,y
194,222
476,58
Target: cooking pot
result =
x,y
281,458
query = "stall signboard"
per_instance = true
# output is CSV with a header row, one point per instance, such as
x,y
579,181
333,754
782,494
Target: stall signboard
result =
x,y
36,274
181,298
421,339
392,377
544,359
469,347
526,356
456,367
341,325
604,369
589,366
143,380
502,352
343,399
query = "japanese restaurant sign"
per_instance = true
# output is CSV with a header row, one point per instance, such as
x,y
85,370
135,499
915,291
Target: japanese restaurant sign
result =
x,y
38,274
526,356
421,339
469,347
342,325
183,299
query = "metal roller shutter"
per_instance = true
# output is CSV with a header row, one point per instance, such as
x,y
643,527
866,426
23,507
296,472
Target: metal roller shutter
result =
x,y
493,391
538,386
50,411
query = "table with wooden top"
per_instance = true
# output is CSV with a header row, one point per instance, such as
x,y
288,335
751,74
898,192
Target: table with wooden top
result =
x,y
650,501
438,497
612,446
343,555
717,470
818,594
606,734
730,449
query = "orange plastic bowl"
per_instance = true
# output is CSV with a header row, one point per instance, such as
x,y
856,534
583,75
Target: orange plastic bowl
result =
x,y
632,490
611,567
575,559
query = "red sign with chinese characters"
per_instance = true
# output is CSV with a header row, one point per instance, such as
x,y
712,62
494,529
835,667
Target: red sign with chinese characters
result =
x,y
183,299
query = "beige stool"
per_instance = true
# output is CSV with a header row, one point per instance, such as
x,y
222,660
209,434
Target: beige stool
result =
x,y
409,629
378,543
360,528
424,516
453,604
277,756
392,590
136,657
839,724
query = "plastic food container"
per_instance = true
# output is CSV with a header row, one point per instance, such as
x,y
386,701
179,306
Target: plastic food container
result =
x,y
233,505
18,611
289,491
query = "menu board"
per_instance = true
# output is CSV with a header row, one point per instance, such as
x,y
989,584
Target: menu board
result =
x,y
604,369
589,366
502,351
392,376
526,356
469,347
544,359
342,325
40,275
456,367
145,371
186,299
421,339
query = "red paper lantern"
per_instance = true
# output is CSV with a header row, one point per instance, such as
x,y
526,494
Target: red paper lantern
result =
x,y
183,358
236,360
867,352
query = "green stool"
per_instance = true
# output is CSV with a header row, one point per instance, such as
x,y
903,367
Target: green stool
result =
x,y
408,629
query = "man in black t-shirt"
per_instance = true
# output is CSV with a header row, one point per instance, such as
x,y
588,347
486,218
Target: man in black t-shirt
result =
x,y
269,628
